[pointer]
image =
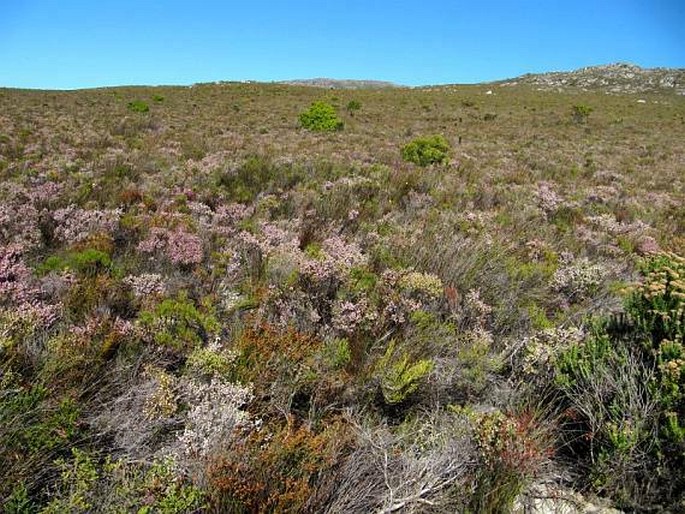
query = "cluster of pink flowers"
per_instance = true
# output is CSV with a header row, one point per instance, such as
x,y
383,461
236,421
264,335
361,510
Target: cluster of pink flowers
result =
x,y
604,229
42,314
548,200
577,278
100,324
44,192
344,254
609,224
274,238
179,246
603,194
226,217
349,317
15,276
184,248
398,309
210,163
75,224
19,224
288,308
155,241
89,329
202,215
337,258
18,291
475,309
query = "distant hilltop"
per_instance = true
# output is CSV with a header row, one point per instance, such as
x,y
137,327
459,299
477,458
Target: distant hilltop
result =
x,y
341,84
618,78
612,78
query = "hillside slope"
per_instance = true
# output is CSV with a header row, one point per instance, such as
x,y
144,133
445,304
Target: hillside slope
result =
x,y
205,307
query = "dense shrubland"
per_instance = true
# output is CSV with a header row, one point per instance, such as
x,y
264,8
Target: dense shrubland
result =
x,y
205,308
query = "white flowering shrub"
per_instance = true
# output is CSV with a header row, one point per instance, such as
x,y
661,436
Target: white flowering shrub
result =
x,y
216,411
540,349
578,279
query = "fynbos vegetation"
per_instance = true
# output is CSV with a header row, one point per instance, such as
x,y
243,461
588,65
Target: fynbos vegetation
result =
x,y
206,308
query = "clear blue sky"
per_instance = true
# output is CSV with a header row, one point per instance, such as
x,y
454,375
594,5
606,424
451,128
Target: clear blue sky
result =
x,y
64,44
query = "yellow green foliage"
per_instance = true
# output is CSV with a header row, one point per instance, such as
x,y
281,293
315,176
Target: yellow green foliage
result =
x,y
399,376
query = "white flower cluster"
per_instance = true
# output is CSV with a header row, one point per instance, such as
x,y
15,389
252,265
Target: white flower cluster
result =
x,y
215,413
577,279
146,284
541,348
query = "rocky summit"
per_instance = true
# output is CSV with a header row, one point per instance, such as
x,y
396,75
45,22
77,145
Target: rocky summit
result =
x,y
618,78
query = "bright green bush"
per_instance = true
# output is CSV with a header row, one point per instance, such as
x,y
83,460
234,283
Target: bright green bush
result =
x,y
399,376
178,323
337,354
89,262
209,362
424,151
138,106
321,117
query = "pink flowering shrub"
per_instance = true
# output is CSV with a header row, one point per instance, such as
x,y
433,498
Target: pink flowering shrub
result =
x,y
19,291
548,200
74,224
179,246
24,212
226,218
350,317
184,248
15,277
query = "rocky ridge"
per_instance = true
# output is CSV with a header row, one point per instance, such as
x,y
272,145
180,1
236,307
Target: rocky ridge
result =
x,y
618,78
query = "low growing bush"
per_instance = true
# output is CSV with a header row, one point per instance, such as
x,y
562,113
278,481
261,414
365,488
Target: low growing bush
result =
x,y
321,117
138,106
581,113
424,151
399,376
178,323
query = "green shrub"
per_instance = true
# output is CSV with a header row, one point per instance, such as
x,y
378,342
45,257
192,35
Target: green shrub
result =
x,y
86,485
178,323
209,362
399,377
656,305
353,106
337,353
581,113
424,151
89,262
18,502
257,174
321,117
138,106
623,388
